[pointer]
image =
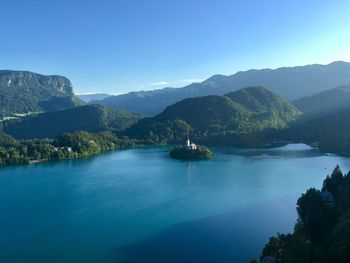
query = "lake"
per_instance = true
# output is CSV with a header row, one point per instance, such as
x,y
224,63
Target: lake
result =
x,y
139,205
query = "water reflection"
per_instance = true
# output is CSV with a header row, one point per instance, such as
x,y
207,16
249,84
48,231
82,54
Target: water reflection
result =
x,y
231,237
288,151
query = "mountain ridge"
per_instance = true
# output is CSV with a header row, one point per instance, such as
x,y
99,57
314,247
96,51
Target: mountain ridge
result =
x,y
326,101
288,82
92,97
22,92
91,118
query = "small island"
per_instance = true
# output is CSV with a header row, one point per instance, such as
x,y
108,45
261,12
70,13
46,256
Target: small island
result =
x,y
191,151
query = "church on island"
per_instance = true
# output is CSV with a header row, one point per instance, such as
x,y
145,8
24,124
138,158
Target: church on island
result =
x,y
191,151
190,145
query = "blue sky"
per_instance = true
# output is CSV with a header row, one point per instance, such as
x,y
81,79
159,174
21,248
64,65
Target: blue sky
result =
x,y
119,46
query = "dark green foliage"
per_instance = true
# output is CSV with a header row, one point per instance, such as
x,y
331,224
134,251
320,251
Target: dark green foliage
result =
x,y
70,145
87,144
7,140
13,155
92,118
331,131
59,103
339,241
316,217
210,113
265,103
339,186
331,183
27,151
287,249
151,131
183,153
24,92
218,119
326,121
322,233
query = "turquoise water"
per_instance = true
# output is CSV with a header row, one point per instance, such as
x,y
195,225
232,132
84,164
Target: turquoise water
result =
x,y
141,206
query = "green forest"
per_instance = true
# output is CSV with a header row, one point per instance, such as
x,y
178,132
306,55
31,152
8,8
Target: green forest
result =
x,y
68,145
322,232
249,117
91,118
243,118
183,153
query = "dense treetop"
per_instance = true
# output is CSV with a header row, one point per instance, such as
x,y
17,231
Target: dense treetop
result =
x,y
183,153
330,131
322,232
68,145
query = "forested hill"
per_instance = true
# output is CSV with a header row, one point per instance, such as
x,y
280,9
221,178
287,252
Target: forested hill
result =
x,y
325,102
325,121
91,118
23,92
217,119
330,131
289,82
322,231
261,100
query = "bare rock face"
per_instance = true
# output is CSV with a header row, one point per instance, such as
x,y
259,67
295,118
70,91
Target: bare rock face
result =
x,y
33,81
23,92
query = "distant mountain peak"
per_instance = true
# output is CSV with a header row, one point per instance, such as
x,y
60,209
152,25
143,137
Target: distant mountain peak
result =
x,y
339,62
93,97
288,82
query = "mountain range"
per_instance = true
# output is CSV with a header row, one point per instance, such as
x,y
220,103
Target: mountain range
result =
x,y
93,96
291,83
250,116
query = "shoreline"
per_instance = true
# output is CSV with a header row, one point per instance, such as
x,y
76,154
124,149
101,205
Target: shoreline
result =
x,y
271,146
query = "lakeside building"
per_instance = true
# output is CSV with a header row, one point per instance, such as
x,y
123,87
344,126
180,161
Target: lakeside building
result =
x,y
190,145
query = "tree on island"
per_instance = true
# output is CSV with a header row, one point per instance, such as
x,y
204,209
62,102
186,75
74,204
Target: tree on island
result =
x,y
191,151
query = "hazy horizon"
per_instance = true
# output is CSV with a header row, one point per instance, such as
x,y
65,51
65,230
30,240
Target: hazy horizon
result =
x,y
189,83
195,81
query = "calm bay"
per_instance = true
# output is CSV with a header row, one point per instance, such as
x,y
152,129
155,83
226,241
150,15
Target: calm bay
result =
x,y
140,205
